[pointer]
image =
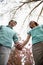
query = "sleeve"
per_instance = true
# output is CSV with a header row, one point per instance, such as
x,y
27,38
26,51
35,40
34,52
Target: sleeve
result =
x,y
0,27
29,32
15,38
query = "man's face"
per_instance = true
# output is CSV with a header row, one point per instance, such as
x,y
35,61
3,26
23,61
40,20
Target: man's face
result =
x,y
13,23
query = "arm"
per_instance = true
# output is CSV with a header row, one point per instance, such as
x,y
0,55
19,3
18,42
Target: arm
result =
x,y
21,45
27,40
17,43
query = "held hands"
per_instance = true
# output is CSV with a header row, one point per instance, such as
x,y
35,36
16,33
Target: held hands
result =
x,y
19,46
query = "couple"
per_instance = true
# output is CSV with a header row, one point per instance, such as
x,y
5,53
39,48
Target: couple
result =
x,y
7,35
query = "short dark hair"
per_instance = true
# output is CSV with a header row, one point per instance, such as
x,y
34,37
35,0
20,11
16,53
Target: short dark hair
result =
x,y
12,21
34,22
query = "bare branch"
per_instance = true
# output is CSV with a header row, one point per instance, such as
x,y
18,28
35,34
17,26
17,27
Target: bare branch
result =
x,y
25,3
30,1
24,21
40,14
13,10
31,11
35,7
17,9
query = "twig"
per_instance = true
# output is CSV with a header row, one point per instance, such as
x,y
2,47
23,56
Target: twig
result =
x,y
14,9
31,12
40,14
25,3
30,1
17,9
35,7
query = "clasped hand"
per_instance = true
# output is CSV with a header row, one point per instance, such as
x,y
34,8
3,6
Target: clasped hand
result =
x,y
19,46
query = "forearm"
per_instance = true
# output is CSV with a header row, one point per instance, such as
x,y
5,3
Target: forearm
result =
x,y
21,45
26,41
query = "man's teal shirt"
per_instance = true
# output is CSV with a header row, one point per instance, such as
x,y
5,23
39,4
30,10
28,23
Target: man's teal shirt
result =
x,y
7,35
37,34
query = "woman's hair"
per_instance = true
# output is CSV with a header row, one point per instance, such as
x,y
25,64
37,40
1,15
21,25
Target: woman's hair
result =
x,y
12,21
34,23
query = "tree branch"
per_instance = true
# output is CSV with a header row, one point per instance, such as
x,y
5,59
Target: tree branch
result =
x,y
25,3
35,7
40,14
31,11
30,1
17,9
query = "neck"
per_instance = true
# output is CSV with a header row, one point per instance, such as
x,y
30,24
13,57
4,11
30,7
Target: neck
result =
x,y
10,26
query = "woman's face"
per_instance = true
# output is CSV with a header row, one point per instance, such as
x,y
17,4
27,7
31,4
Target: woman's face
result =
x,y
32,25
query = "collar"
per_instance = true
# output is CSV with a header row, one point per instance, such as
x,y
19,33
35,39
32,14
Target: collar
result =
x,y
9,26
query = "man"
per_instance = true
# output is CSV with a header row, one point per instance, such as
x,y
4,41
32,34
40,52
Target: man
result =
x,y
6,36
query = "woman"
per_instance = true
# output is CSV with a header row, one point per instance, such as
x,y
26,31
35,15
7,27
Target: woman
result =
x,y
37,41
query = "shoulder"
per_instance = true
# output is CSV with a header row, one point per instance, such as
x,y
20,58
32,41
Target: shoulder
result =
x,y
14,32
29,32
1,26
32,30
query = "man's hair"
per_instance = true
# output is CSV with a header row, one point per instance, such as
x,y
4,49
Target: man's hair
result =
x,y
12,21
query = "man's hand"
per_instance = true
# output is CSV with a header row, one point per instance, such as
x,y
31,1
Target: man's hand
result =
x,y
19,46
